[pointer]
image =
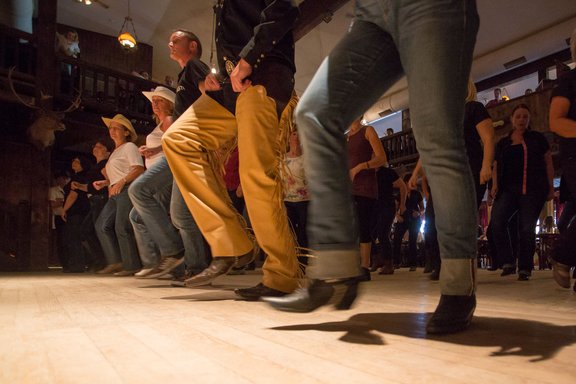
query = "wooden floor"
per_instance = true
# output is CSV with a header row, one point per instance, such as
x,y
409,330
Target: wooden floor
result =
x,y
61,328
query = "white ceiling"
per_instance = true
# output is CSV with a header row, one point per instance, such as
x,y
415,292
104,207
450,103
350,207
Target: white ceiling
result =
x,y
509,29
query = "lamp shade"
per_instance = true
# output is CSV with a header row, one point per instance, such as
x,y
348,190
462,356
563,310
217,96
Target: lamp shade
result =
x,y
127,40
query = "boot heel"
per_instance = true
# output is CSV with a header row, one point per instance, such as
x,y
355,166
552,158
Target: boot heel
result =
x,y
350,292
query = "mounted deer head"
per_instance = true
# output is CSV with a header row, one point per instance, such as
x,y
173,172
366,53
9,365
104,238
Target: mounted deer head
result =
x,y
41,132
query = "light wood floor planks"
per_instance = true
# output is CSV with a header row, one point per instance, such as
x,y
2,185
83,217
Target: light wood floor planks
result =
x,y
61,328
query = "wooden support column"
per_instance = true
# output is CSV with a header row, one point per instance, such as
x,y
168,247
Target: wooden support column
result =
x,y
40,175
45,34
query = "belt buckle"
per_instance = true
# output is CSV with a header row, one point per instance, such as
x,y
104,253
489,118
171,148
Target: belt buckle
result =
x,y
229,65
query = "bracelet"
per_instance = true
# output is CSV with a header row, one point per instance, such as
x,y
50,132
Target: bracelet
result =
x,y
367,165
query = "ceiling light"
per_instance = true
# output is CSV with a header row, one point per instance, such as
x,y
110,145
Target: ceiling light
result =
x,y
127,40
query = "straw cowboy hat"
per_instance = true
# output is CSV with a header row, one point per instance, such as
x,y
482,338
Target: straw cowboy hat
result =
x,y
122,120
162,92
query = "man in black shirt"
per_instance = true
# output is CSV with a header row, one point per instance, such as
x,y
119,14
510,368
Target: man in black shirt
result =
x,y
177,236
255,51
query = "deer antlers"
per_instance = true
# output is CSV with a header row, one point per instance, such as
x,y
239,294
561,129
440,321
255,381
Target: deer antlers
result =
x,y
73,106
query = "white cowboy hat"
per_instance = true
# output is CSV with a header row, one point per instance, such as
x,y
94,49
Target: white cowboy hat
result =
x,y
161,92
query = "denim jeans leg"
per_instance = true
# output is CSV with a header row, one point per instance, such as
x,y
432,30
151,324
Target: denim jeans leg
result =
x,y
436,48
151,193
363,65
125,233
106,233
147,248
196,251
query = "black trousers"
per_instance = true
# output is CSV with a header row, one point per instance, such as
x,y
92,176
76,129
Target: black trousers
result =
x,y
92,249
298,216
412,225
386,211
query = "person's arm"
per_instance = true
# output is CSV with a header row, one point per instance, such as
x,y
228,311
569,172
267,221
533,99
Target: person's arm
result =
x,y
55,204
70,200
379,155
494,189
135,171
276,20
76,185
413,181
425,187
560,124
550,174
486,133
379,159
401,186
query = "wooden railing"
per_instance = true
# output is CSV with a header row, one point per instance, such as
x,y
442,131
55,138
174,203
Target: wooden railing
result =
x,y
104,90
400,148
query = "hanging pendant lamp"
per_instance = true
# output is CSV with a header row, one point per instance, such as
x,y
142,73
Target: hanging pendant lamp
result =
x,y
126,39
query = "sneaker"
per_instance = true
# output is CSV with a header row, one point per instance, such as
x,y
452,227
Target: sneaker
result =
x,y
125,273
111,268
166,265
143,272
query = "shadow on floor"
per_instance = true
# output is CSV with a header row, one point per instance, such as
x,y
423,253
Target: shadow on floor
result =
x,y
513,337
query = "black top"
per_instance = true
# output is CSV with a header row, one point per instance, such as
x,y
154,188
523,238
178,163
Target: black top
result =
x,y
386,178
474,113
255,30
187,90
81,206
536,176
513,168
260,32
95,174
567,88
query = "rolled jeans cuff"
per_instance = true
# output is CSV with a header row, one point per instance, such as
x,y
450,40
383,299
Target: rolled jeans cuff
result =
x,y
334,264
458,277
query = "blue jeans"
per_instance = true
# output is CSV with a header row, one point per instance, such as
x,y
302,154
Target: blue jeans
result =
x,y
151,193
115,232
196,252
431,42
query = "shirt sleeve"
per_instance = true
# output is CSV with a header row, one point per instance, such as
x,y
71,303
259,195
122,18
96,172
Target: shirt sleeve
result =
x,y
133,156
276,20
480,113
197,71
565,87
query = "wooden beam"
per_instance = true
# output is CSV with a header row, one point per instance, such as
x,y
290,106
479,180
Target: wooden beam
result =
x,y
313,12
45,34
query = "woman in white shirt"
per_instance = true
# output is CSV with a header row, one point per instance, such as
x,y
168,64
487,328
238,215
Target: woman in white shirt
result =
x,y
113,225
157,239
